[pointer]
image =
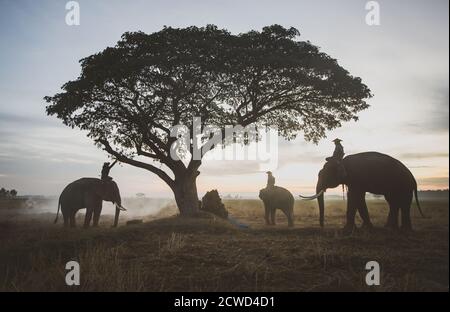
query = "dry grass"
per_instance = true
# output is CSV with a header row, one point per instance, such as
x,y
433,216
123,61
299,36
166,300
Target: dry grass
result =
x,y
209,254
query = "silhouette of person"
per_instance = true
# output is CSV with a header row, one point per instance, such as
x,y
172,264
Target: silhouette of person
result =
x,y
270,180
338,153
106,168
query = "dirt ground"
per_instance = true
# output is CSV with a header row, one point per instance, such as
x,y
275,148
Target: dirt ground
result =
x,y
169,253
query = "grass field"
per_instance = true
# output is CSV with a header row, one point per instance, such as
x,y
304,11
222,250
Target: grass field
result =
x,y
169,253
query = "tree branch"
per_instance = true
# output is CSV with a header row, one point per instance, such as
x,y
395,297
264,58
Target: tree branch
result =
x,y
160,173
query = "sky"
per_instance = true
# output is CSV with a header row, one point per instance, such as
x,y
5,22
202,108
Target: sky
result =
x,y
404,61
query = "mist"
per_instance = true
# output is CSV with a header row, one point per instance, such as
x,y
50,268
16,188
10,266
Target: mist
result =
x,y
136,207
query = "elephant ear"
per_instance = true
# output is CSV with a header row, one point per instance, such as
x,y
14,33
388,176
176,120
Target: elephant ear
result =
x,y
104,184
342,173
261,193
336,165
340,169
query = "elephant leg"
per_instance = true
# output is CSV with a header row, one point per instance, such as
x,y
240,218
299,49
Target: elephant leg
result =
x,y
406,213
364,213
392,220
406,218
97,212
272,216
267,215
353,200
72,219
66,218
290,216
88,216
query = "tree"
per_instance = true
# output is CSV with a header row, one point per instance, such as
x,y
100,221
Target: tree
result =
x,y
13,193
129,97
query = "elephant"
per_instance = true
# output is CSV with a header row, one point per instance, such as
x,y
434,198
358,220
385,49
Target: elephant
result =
x,y
88,193
371,172
277,197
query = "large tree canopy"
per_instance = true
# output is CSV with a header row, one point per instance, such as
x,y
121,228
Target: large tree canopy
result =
x,y
128,97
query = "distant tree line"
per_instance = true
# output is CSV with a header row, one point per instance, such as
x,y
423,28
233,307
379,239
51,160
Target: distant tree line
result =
x,y
4,193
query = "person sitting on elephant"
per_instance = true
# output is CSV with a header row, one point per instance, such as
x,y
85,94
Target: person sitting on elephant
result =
x,y
105,170
338,153
270,180
338,156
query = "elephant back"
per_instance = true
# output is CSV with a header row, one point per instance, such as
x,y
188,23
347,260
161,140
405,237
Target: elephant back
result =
x,y
378,171
74,192
278,194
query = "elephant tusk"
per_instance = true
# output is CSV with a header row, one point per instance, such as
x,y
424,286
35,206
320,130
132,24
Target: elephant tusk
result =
x,y
312,197
120,207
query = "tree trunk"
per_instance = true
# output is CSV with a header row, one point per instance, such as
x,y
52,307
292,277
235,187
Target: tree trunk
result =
x,y
186,196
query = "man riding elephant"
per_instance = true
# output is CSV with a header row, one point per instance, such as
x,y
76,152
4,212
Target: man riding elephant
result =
x,y
369,172
338,153
276,197
89,193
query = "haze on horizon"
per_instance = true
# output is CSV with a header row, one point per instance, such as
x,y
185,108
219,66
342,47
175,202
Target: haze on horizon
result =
x,y
404,61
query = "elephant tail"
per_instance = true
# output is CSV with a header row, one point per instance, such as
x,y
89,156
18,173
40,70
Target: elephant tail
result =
x,y
57,212
417,202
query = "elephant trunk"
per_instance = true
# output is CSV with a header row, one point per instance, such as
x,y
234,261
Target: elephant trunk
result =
x,y
320,200
320,189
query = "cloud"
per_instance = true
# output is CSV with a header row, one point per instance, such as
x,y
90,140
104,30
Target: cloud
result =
x,y
435,182
24,120
40,139
300,158
437,119
230,167
424,155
